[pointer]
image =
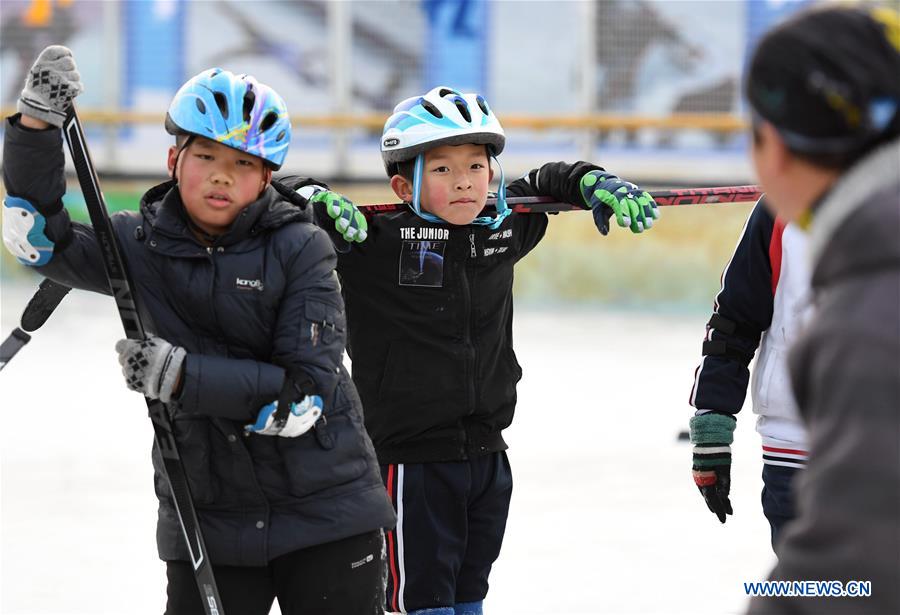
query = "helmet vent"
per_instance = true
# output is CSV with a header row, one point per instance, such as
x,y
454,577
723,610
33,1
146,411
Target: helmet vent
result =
x,y
463,109
445,92
482,104
222,103
429,106
268,121
249,100
201,107
280,136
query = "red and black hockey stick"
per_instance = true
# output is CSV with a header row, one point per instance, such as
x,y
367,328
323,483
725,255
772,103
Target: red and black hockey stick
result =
x,y
522,204
664,198
121,288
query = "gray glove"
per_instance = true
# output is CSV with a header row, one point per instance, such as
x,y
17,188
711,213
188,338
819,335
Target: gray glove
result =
x,y
50,86
151,366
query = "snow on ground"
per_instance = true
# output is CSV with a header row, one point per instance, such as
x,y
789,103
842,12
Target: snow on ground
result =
x,y
605,518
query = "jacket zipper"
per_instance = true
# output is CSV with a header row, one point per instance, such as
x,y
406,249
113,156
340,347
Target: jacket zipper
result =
x,y
468,275
211,250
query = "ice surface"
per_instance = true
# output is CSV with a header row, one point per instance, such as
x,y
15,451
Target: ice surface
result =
x,y
605,518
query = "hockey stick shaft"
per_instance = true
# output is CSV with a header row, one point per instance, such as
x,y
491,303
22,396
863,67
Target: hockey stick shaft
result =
x,y
121,287
13,343
38,310
664,198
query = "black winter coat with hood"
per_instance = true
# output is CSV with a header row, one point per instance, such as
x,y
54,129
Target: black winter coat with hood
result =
x,y
430,311
263,297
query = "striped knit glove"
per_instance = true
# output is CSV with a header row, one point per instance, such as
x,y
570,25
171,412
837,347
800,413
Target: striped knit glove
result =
x,y
712,435
50,86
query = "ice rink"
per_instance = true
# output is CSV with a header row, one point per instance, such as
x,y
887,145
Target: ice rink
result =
x,y
605,518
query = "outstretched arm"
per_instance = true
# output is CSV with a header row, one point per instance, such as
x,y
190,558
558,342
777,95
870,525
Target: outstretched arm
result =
x,y
602,192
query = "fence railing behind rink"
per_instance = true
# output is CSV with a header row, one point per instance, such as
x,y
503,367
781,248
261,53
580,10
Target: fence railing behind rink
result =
x,y
659,69
711,122
113,152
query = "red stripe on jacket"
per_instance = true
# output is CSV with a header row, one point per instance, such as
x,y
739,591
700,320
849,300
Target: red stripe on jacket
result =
x,y
775,252
788,451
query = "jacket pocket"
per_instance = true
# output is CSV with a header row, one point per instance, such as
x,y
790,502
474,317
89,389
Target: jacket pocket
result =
x,y
514,362
769,377
777,392
331,454
325,322
497,388
418,375
192,437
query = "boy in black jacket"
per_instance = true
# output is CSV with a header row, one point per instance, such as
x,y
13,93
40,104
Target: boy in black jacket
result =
x,y
242,295
429,306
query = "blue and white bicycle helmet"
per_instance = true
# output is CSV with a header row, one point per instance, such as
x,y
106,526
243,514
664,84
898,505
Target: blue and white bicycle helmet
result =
x,y
235,110
443,116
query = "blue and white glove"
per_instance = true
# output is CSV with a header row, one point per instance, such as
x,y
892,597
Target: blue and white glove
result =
x,y
50,86
348,220
606,194
300,419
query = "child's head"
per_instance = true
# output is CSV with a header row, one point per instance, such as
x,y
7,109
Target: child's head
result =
x,y
823,92
454,184
231,133
437,149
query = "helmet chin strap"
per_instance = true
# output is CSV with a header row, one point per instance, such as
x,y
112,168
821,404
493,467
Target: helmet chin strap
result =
x,y
417,190
187,143
491,222
503,209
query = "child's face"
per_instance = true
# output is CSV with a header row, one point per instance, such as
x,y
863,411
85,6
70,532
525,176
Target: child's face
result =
x,y
217,182
455,182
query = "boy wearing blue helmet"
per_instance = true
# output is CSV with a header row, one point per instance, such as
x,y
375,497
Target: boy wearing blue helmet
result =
x,y
429,304
239,292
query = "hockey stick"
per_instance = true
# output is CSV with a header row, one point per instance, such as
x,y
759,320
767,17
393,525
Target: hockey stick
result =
x,y
121,287
38,310
664,198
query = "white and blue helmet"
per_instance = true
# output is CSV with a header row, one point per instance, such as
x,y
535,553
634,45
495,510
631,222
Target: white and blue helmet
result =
x,y
443,116
235,110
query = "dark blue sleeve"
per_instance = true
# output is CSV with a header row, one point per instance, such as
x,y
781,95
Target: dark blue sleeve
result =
x,y
33,169
742,311
309,335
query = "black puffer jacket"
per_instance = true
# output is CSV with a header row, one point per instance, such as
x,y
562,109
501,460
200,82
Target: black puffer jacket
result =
x,y
264,295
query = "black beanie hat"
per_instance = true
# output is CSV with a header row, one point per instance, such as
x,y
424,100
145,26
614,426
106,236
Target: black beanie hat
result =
x,y
829,79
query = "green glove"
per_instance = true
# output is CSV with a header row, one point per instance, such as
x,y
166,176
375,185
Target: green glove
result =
x,y
606,195
712,435
348,220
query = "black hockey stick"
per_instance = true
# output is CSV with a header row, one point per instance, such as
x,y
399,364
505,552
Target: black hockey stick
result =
x,y
121,287
38,310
